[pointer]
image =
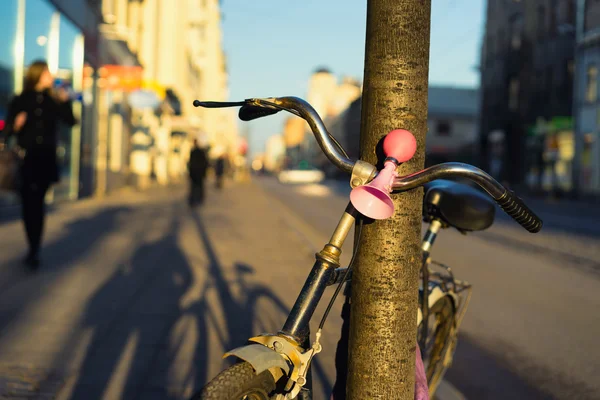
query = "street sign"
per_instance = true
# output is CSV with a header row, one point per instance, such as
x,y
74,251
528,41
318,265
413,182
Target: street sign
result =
x,y
561,123
120,77
143,99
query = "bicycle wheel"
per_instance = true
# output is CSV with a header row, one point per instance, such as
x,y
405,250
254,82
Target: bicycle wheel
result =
x,y
441,323
238,382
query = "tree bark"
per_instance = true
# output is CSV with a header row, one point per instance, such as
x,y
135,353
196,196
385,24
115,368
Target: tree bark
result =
x,y
383,327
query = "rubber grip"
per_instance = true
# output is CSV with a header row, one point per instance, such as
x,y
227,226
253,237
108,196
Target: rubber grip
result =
x,y
248,112
516,208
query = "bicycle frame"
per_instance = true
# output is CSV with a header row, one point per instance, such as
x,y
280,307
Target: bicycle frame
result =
x,y
294,337
328,260
326,271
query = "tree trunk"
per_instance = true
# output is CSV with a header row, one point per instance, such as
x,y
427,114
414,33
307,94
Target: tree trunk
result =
x,y
383,320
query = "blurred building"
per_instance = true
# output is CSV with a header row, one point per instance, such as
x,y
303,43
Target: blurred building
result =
x,y
452,127
329,98
587,102
345,93
322,87
137,66
345,127
67,36
275,153
181,52
527,72
295,139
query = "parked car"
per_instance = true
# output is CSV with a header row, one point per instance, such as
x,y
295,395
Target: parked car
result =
x,y
301,175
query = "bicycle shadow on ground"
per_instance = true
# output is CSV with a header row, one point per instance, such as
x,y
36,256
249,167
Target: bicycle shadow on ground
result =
x,y
57,255
254,309
149,332
479,373
129,318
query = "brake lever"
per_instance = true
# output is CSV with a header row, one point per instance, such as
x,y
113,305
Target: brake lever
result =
x,y
272,102
218,104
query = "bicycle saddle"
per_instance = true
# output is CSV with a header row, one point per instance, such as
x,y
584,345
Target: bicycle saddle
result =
x,y
458,205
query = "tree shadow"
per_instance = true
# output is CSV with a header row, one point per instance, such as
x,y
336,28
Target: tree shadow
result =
x,y
554,221
72,247
481,373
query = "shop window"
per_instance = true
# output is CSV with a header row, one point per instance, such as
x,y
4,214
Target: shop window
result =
x,y
541,22
571,68
490,49
516,31
513,94
41,33
591,91
552,26
8,62
443,128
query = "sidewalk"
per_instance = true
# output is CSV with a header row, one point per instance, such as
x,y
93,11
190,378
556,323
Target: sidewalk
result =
x,y
139,296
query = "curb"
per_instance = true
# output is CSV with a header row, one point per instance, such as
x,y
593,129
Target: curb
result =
x,y
446,391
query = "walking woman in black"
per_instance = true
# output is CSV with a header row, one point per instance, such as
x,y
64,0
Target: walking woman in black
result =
x,y
33,117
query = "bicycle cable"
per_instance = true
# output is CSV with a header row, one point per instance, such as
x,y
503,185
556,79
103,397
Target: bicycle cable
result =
x,y
338,145
339,286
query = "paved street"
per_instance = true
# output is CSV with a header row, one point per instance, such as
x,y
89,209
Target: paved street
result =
x,y
531,329
139,297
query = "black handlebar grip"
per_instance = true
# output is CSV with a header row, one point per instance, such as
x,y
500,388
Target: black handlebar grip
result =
x,y
516,208
250,112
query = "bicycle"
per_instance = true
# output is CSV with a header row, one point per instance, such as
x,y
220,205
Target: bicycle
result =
x,y
277,366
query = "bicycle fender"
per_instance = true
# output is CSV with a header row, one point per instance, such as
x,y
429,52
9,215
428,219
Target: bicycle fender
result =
x,y
260,357
435,295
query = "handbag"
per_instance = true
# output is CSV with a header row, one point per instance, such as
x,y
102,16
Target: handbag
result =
x,y
10,164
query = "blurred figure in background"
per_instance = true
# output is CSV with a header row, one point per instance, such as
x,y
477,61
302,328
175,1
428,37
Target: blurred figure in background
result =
x,y
33,117
197,168
220,166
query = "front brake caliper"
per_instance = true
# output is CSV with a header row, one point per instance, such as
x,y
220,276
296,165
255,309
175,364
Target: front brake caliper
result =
x,y
291,350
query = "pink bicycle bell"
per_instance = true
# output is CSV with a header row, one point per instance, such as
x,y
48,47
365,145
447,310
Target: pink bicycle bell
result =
x,y
373,200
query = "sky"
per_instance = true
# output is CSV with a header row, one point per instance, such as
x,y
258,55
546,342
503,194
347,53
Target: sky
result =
x,y
273,46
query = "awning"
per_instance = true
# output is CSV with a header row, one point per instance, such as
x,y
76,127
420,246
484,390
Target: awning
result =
x,y
114,49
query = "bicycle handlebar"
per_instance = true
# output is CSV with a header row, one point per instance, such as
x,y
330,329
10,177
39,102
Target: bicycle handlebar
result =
x,y
510,203
256,108
304,110
506,199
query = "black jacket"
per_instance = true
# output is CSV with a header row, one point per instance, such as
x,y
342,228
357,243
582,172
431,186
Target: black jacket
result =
x,y
198,164
39,134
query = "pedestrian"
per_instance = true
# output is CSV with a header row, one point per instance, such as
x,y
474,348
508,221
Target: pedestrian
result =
x,y
220,166
33,118
197,169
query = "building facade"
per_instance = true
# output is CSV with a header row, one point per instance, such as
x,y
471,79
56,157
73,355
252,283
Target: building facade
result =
x,y
452,125
452,122
148,134
587,101
329,98
527,73
66,36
